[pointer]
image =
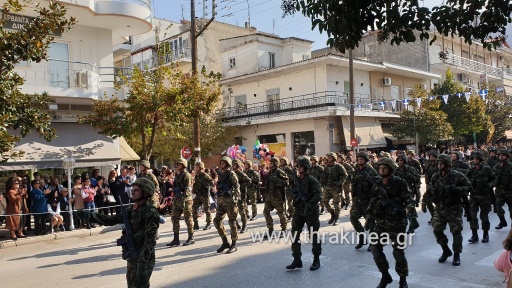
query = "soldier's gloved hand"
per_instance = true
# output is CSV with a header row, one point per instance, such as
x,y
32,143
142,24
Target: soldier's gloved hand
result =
x,y
414,223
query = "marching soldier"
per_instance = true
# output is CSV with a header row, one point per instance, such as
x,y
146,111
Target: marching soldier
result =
x,y
409,175
391,220
413,162
483,179
252,188
284,165
350,174
182,204
317,171
147,172
361,194
493,157
458,162
244,181
228,191
202,186
503,171
447,188
332,179
430,170
306,197
276,182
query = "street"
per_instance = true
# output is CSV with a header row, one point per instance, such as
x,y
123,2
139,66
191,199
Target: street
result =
x,y
95,261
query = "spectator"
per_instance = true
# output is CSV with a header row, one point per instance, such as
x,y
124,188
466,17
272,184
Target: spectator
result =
x,y
88,194
53,208
95,174
131,177
78,200
504,261
101,195
15,198
64,201
38,207
119,188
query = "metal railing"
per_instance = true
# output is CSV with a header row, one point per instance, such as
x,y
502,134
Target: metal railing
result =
x,y
167,58
473,65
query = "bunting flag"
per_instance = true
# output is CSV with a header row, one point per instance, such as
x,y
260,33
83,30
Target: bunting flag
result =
x,y
406,102
445,98
500,89
430,98
393,104
370,106
467,95
418,101
359,105
483,94
382,104
460,94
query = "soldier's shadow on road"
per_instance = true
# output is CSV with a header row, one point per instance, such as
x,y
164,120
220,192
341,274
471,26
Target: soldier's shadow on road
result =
x,y
101,258
73,251
110,272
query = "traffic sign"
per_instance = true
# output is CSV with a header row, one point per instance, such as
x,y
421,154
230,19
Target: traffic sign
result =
x,y
353,142
186,153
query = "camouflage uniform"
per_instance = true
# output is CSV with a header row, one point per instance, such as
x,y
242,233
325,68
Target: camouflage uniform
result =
x,y
391,223
202,185
361,194
332,179
460,165
416,189
182,202
482,179
277,180
346,186
503,171
288,190
228,191
244,181
252,189
446,190
492,161
317,171
430,170
411,177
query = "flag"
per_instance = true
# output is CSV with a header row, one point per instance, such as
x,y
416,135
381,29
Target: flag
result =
x,y
459,94
467,95
418,101
445,98
393,104
500,89
370,106
483,94
430,98
406,102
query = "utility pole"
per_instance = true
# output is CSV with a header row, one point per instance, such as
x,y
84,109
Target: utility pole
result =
x,y
351,97
193,37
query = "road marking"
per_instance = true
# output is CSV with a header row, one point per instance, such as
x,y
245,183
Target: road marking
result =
x,y
489,260
430,281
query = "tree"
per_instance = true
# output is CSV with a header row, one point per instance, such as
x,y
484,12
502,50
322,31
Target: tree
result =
x,y
427,121
346,21
20,113
498,110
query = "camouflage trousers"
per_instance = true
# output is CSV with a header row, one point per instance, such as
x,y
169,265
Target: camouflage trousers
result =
x,y
289,201
397,236
272,203
429,204
226,205
251,199
204,201
322,195
313,224
453,217
179,207
503,197
334,193
358,210
417,194
347,190
243,210
484,205
138,273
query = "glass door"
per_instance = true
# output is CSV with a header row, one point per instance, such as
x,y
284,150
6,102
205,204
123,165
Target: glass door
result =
x,y
58,65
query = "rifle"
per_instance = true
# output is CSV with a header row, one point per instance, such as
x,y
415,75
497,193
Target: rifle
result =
x,y
126,240
391,206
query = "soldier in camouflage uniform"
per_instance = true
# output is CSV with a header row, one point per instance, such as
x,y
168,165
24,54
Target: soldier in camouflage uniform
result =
x,y
503,171
391,222
306,197
414,163
350,174
144,219
284,165
228,191
252,188
317,171
493,157
458,162
446,189
361,194
275,184
483,179
182,204
147,172
203,183
430,170
332,179
409,175
244,181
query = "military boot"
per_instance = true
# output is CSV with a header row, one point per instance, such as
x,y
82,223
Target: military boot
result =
x,y
332,218
503,223
190,240
175,242
196,225
361,241
446,253
297,263
403,282
385,280
485,238
316,263
208,226
474,237
225,245
430,221
232,248
268,235
335,222
244,228
322,211
456,259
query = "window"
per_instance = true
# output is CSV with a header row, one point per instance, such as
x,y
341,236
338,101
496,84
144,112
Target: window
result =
x,y
58,69
272,138
271,60
273,99
303,143
406,92
241,103
232,62
305,57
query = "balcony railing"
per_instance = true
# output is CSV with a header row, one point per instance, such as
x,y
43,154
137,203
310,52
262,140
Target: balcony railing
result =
x,y
471,65
173,56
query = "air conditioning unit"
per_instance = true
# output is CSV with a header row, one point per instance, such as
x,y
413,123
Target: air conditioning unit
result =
x,y
462,78
386,81
471,82
82,79
423,86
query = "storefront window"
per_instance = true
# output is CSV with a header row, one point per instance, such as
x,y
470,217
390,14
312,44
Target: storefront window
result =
x,y
303,143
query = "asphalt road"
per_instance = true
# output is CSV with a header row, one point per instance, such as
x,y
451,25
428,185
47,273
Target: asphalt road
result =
x,y
95,261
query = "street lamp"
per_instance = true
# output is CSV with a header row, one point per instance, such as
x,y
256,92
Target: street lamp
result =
x,y
69,165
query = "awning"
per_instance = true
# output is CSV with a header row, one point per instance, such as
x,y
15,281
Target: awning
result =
x,y
396,141
127,153
368,129
81,142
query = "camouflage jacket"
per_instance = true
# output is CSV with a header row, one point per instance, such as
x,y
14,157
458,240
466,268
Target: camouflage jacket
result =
x,y
482,179
400,206
430,170
149,175
460,166
181,185
227,184
503,172
244,181
493,161
350,171
309,187
409,174
277,180
361,188
255,179
202,183
446,191
414,163
316,171
145,220
334,175
290,173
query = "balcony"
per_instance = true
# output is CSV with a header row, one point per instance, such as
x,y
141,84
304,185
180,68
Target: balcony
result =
x,y
182,55
471,65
